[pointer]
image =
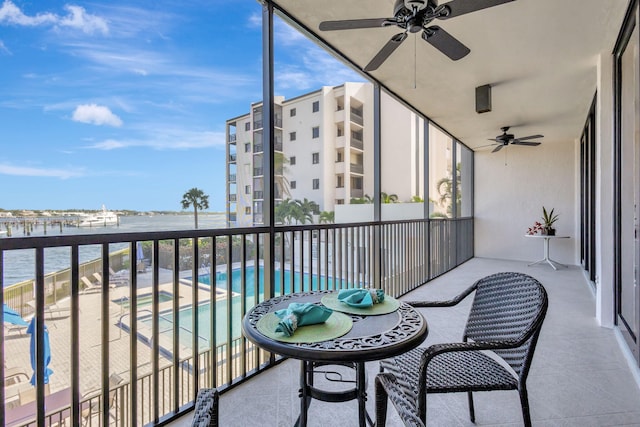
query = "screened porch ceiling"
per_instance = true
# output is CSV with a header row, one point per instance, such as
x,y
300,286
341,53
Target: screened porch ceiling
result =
x,y
539,56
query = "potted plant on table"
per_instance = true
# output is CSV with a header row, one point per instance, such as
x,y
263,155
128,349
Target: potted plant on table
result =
x,y
548,219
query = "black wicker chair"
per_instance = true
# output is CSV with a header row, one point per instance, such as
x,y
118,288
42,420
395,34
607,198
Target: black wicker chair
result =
x,y
206,410
506,317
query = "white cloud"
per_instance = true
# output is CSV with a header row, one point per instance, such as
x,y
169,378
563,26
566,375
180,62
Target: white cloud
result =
x,y
11,14
4,49
109,144
77,18
166,139
96,115
255,20
7,169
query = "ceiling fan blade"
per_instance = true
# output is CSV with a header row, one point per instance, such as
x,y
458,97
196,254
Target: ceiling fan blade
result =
x,y
461,7
484,146
498,148
445,42
353,24
386,50
529,137
526,143
493,139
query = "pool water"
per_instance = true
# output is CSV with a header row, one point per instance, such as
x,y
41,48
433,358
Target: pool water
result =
x,y
144,300
303,282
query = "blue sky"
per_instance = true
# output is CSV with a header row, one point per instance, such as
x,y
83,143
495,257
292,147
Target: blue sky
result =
x,y
124,103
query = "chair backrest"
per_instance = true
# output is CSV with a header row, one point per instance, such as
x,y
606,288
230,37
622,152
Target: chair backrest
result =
x,y
508,306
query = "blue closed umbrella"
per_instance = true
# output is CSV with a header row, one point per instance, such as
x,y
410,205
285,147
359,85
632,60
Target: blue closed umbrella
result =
x,y
47,351
12,316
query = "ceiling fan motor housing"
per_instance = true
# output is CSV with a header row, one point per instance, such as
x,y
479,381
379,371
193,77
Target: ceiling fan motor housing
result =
x,y
412,4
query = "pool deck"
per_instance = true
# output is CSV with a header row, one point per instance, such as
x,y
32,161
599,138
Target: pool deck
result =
x,y
17,343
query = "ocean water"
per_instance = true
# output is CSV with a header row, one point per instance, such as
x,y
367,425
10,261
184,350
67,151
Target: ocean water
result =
x,y
19,264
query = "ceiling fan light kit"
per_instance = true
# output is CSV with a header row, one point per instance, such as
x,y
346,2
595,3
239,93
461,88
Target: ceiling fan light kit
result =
x,y
413,16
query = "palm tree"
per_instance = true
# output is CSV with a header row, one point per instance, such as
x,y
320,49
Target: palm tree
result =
x,y
327,217
445,189
307,209
196,198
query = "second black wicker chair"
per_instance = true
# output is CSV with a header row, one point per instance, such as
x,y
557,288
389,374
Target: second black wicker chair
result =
x,y
205,413
506,317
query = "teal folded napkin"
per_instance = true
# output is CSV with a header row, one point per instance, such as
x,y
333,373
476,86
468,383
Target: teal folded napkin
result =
x,y
299,314
361,298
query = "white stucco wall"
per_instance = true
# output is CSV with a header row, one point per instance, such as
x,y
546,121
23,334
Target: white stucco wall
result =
x,y
509,198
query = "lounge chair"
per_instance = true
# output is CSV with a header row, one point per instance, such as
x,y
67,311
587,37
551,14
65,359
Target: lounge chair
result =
x,y
90,286
505,319
113,282
53,311
12,329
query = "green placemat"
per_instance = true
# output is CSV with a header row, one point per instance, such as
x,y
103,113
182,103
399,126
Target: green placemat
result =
x,y
389,305
336,326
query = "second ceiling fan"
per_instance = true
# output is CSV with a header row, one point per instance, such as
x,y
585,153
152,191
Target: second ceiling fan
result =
x,y
508,138
413,16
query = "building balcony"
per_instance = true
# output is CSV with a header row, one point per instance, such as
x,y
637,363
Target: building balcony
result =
x,y
258,195
589,383
356,116
357,193
232,177
356,168
356,144
258,171
340,141
258,148
339,115
576,362
233,197
232,158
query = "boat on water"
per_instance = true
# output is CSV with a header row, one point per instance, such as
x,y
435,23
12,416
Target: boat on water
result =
x,y
104,218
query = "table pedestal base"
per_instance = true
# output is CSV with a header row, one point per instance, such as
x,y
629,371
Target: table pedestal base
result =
x,y
546,259
308,391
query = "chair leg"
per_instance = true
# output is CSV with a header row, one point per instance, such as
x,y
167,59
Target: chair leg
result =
x,y
381,404
472,412
524,401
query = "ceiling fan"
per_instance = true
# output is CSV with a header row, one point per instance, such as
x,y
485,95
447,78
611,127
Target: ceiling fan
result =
x,y
413,16
508,138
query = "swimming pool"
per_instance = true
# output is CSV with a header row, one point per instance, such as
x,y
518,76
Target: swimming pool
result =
x,y
185,315
144,300
185,319
300,281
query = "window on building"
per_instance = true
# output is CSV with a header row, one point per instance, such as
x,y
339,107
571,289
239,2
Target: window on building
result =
x,y
292,112
339,201
316,106
315,132
339,181
315,158
292,160
247,210
292,185
292,136
339,156
247,147
247,189
247,126
316,184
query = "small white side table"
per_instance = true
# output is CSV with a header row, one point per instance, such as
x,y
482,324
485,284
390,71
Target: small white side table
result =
x,y
546,258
